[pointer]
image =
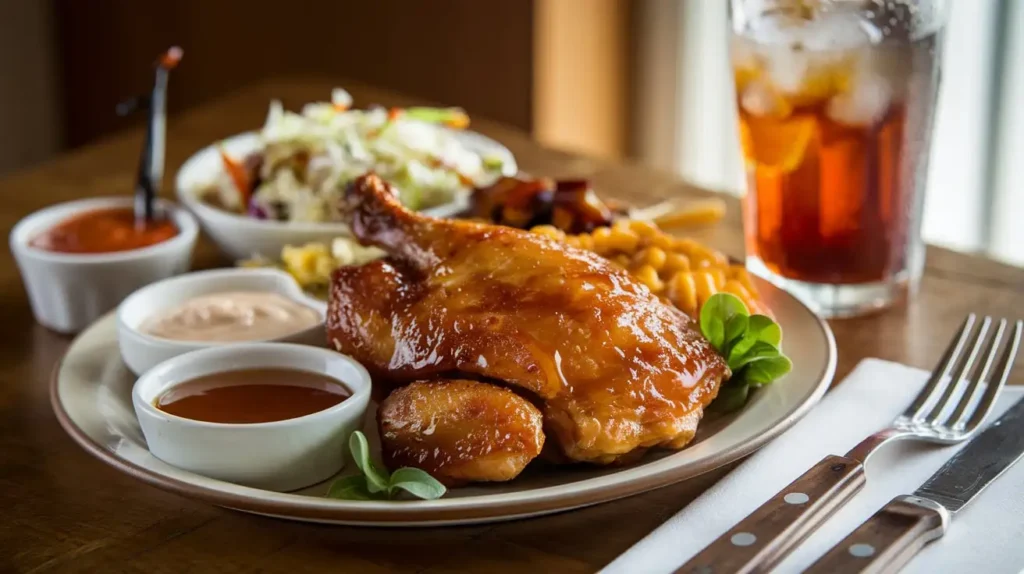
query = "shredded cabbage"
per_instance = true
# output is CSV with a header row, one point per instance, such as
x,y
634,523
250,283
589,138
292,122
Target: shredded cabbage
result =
x,y
309,157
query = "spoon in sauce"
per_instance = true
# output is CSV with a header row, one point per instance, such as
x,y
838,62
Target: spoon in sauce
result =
x,y
151,162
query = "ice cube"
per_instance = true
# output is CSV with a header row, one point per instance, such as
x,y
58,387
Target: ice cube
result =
x,y
865,104
796,52
743,54
777,29
786,68
802,57
760,99
841,30
834,29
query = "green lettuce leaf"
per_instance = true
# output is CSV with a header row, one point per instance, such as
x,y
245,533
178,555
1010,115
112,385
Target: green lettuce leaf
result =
x,y
373,483
750,344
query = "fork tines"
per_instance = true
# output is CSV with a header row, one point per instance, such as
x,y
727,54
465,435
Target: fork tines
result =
x,y
960,374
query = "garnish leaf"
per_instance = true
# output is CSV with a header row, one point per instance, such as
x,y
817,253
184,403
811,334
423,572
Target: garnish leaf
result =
x,y
735,327
759,329
767,370
718,309
765,329
376,480
760,350
376,484
741,347
417,483
749,343
350,488
714,330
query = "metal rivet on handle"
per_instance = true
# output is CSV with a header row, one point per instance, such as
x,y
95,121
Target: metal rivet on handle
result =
x,y
796,498
862,550
743,539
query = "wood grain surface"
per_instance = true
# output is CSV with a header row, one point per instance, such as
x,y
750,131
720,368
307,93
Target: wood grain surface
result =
x,y
778,525
888,540
63,511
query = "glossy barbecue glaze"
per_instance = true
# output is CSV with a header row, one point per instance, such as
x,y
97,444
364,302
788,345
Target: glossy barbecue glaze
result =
x,y
612,368
460,431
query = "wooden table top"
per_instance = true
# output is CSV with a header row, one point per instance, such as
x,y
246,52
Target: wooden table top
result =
x,y
65,511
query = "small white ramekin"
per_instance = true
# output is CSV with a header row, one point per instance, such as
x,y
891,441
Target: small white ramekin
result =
x,y
142,352
68,291
281,456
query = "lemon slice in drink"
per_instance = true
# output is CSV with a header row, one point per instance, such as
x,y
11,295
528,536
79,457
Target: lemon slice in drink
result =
x,y
779,145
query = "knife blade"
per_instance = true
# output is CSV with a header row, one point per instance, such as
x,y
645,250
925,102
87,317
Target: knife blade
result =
x,y
985,457
890,538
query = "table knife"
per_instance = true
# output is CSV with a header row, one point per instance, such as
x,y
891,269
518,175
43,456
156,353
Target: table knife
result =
x,y
897,532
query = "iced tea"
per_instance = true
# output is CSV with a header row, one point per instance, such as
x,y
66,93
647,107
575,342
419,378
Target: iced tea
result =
x,y
835,115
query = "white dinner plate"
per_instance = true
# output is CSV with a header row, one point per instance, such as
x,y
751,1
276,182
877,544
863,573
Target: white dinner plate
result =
x,y
91,395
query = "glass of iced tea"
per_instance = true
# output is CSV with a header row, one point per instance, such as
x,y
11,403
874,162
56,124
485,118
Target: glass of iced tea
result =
x,y
836,99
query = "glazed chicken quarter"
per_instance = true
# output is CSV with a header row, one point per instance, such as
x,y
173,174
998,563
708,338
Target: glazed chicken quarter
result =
x,y
612,369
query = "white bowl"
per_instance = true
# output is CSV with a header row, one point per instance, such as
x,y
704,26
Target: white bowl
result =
x,y
142,352
280,456
68,291
240,237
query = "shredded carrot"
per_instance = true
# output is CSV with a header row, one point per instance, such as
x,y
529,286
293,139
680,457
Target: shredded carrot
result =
x,y
393,114
238,175
437,163
458,121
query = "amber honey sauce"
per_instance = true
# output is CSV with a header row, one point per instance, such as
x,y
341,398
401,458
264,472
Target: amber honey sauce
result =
x,y
248,396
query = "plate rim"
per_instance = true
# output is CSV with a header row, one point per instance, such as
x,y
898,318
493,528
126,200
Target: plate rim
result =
x,y
420,513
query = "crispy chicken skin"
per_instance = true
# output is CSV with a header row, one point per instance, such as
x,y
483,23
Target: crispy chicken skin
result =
x,y
460,431
612,368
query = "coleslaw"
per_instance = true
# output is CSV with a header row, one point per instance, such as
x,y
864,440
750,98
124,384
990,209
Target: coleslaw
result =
x,y
306,159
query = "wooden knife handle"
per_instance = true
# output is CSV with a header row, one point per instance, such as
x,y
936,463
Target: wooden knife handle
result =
x,y
765,537
888,540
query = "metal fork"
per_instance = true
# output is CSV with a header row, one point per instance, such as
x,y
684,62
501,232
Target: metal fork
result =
x,y
957,398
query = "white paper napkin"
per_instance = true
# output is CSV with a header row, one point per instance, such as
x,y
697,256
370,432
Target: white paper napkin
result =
x,y
986,537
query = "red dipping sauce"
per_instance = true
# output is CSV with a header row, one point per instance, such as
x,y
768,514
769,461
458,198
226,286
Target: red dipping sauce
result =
x,y
104,231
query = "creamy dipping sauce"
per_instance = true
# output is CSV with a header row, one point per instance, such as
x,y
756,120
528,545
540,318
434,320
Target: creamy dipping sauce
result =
x,y
248,396
232,316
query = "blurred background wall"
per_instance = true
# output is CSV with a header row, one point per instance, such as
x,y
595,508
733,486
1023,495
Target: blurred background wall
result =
x,y
647,79
31,127
556,68
475,53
